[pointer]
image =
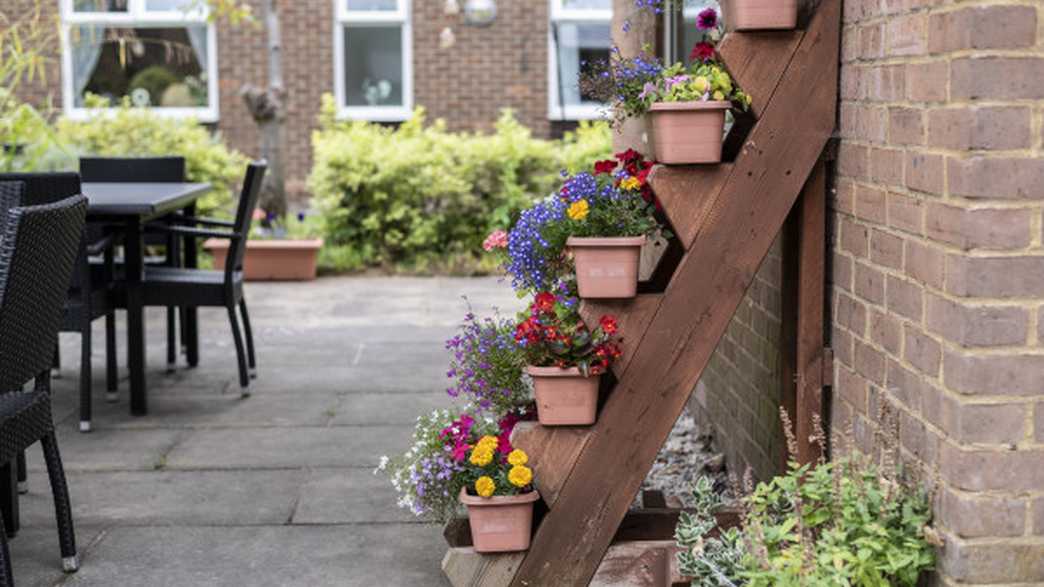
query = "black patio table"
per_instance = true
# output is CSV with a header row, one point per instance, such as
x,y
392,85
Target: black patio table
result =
x,y
128,207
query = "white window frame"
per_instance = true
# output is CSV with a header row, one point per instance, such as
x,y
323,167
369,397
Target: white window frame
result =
x,y
364,18
688,13
559,14
137,16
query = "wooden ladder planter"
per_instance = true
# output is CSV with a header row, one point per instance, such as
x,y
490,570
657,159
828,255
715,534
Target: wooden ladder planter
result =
x,y
726,218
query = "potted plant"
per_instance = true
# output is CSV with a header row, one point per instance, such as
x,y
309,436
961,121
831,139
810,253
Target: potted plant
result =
x,y
499,496
487,367
685,105
275,251
565,358
602,219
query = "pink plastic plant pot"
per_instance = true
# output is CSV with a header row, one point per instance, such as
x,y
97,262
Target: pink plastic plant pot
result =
x,y
272,260
753,15
606,267
564,397
687,132
501,523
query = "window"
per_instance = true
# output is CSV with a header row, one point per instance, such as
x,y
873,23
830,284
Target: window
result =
x,y
373,60
158,53
681,34
580,35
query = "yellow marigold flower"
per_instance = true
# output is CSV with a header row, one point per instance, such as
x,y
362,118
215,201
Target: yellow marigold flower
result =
x,y
578,210
631,184
518,457
481,456
520,475
485,486
490,442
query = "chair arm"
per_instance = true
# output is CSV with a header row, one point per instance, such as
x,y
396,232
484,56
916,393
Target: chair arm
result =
x,y
195,232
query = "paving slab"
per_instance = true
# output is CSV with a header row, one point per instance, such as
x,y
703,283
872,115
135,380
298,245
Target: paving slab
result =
x,y
36,559
266,556
109,450
362,409
349,496
251,448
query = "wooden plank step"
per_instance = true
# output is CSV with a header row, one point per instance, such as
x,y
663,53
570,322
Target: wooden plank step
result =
x,y
687,194
698,304
552,453
757,59
633,317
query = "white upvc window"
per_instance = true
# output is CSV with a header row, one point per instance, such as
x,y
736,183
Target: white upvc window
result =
x,y
680,33
579,35
160,54
373,60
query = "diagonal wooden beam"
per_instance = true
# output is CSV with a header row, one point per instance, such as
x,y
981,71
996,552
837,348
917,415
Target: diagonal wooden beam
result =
x,y
697,307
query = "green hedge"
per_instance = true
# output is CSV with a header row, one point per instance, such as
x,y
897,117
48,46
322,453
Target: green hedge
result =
x,y
420,198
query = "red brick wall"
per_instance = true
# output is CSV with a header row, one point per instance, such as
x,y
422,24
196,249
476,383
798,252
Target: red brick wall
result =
x,y
938,283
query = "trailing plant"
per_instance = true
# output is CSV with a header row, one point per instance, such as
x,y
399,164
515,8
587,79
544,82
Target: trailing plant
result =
x,y
487,366
552,333
269,226
614,201
710,562
418,196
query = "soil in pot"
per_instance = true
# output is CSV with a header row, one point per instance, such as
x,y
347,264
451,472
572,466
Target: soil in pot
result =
x,y
564,397
606,267
502,523
683,133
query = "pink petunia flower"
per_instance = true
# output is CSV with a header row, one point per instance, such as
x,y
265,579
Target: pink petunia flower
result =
x,y
498,239
707,19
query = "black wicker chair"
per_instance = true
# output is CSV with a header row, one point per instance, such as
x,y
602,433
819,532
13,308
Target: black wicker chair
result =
x,y
92,289
38,248
11,194
146,170
165,286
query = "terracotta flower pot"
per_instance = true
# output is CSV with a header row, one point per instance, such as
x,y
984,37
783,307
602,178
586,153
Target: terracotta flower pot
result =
x,y
751,15
687,132
501,523
606,267
272,260
564,397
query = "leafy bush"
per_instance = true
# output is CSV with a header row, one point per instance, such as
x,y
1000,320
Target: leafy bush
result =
x,y
419,196
138,132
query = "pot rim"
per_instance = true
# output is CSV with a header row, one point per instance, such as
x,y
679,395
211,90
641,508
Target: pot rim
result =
x,y
696,105
605,241
271,244
556,372
497,500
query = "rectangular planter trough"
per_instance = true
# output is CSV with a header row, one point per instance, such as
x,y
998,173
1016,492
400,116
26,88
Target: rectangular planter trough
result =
x,y
272,260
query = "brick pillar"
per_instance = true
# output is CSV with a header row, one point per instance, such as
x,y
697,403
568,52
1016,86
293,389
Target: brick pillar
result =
x,y
938,263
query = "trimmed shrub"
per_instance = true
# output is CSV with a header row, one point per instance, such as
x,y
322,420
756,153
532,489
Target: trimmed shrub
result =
x,y
421,198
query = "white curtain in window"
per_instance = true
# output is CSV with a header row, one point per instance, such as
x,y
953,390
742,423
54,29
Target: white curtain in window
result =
x,y
198,38
87,44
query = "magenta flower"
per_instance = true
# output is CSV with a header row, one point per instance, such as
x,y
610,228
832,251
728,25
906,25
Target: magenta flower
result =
x,y
707,19
498,239
647,89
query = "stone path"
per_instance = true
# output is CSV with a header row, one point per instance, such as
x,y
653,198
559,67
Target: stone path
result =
x,y
277,489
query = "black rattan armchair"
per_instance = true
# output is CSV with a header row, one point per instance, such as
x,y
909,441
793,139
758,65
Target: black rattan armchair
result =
x,y
11,194
91,291
38,247
146,170
165,286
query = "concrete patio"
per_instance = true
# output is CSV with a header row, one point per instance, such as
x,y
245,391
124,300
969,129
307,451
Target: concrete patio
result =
x,y
277,489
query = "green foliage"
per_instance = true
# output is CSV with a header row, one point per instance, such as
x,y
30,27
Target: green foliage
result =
x,y
417,195
698,82
713,562
126,131
845,522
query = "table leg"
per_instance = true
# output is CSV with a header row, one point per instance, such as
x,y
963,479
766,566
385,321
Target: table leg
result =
x,y
135,268
191,337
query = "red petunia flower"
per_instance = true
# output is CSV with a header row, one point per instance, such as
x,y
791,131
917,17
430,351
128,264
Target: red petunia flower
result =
x,y
545,301
606,166
608,324
629,156
702,51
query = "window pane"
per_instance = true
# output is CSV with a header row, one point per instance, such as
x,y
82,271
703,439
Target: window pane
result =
x,y
173,5
382,5
373,66
158,67
579,45
100,5
587,4
689,35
